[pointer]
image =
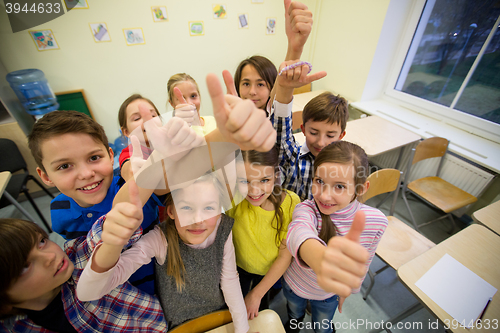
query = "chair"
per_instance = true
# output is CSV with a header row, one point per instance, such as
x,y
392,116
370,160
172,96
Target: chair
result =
x,y
296,121
13,161
303,89
204,323
434,190
400,243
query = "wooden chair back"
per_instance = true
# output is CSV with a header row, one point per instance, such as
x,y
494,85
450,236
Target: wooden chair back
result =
x,y
381,181
303,89
204,323
431,147
296,120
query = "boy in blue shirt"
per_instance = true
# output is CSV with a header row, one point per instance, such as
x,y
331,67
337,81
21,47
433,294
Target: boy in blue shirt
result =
x,y
73,154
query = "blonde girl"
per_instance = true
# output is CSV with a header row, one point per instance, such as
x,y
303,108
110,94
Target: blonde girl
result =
x,y
260,227
340,172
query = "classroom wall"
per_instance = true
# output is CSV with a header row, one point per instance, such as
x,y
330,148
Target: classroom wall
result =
x,y
109,72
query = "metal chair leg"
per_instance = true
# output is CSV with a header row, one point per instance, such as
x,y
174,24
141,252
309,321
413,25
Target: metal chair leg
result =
x,y
403,194
372,282
18,206
42,187
35,207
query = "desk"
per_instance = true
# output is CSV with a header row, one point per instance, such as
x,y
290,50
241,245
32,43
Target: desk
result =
x,y
4,180
267,321
478,249
489,216
300,100
375,135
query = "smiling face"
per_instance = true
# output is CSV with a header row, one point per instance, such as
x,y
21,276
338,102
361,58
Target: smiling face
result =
x,y
197,209
257,181
334,187
78,166
47,268
254,87
320,134
135,115
190,93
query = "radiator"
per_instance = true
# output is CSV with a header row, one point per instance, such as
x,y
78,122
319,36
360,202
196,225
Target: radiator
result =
x,y
457,171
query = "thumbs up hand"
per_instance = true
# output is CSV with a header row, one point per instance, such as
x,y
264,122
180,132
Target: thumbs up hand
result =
x,y
185,111
344,261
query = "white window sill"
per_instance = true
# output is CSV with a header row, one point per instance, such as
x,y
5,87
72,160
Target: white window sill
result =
x,y
479,150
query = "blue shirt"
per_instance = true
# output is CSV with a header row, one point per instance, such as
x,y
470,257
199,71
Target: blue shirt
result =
x,y
71,221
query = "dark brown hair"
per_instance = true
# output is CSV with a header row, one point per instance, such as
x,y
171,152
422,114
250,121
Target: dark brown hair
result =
x,y
266,69
17,239
270,158
122,113
327,107
57,123
346,153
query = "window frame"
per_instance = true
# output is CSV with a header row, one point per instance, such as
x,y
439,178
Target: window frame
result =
x,y
456,118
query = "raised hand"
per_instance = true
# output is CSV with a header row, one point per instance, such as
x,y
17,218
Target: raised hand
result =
x,y
298,76
344,261
185,111
298,25
124,219
239,121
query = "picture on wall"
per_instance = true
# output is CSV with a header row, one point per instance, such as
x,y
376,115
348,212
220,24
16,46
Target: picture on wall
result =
x,y
243,21
159,14
44,40
219,11
76,4
100,32
196,28
134,36
270,26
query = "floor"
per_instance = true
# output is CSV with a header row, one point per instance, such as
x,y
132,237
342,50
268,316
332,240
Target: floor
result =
x,y
387,298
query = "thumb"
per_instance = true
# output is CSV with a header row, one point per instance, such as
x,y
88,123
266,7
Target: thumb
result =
x,y
229,81
145,112
133,193
287,5
136,147
178,95
218,101
357,227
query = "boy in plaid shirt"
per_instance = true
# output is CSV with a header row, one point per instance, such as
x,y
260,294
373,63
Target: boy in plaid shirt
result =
x,y
323,121
38,287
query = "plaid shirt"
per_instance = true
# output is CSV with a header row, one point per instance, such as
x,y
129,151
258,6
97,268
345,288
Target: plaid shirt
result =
x,y
124,309
296,161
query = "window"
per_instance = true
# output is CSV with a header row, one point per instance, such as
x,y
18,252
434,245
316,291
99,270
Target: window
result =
x,y
452,64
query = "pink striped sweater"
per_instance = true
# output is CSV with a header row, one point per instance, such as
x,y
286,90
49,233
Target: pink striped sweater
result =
x,y
304,225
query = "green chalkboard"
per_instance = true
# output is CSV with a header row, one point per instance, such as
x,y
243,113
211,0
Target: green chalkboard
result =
x,y
74,100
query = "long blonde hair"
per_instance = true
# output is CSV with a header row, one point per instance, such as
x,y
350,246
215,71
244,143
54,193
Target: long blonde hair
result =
x,y
175,265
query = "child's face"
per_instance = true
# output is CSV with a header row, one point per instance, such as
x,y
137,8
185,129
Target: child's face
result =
x,y
320,134
190,93
257,181
78,166
134,117
47,268
197,209
253,87
333,186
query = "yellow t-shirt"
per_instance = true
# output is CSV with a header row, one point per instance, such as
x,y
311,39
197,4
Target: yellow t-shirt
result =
x,y
254,237
210,125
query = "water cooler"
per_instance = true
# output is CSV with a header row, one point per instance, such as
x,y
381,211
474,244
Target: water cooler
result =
x,y
33,91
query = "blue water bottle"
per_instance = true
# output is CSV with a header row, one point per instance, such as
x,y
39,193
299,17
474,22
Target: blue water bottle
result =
x,y
33,91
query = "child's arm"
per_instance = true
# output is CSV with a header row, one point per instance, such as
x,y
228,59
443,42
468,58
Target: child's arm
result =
x,y
230,285
340,265
278,268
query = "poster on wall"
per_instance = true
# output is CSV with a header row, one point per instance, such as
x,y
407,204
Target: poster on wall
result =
x,y
219,11
196,28
243,21
134,36
100,32
44,40
159,14
76,4
270,26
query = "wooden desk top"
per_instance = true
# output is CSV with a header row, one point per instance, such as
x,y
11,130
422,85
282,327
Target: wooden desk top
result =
x,y
476,247
267,321
4,180
377,135
300,100
489,216
374,134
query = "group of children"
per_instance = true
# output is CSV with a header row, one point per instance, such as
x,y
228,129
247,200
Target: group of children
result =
x,y
229,232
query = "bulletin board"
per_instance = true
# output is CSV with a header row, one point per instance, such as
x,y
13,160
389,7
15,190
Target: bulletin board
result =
x,y
74,100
